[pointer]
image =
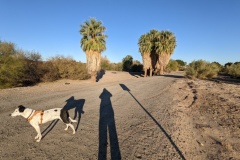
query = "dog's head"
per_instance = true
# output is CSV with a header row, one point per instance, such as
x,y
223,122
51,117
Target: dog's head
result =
x,y
19,111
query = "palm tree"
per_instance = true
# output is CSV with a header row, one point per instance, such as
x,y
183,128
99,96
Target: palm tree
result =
x,y
165,45
154,56
145,47
93,43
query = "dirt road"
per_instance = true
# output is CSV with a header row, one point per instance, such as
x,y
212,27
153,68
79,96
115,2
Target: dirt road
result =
x,y
122,116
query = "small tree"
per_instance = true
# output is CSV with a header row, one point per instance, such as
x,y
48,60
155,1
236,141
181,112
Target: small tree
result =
x,y
136,66
127,63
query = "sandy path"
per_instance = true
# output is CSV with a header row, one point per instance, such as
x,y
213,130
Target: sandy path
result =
x,y
112,122
121,117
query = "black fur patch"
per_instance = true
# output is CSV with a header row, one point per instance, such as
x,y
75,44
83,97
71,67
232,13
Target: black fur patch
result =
x,y
64,116
21,108
55,110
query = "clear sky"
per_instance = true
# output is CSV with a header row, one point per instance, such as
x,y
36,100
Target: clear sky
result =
x,y
204,29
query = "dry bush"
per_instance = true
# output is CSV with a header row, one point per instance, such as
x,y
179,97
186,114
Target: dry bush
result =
x,y
32,69
69,68
49,72
202,69
23,68
117,66
234,70
105,64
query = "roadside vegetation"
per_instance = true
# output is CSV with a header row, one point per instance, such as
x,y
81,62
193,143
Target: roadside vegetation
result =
x,y
233,70
205,70
24,68
202,69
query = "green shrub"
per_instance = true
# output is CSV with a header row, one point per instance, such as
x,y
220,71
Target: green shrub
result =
x,y
172,66
11,65
234,70
11,71
181,64
202,69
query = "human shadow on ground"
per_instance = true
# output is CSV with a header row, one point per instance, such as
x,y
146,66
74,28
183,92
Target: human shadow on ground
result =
x,y
78,105
107,126
100,75
125,88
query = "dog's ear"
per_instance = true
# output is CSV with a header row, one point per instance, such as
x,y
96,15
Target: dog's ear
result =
x,y
21,108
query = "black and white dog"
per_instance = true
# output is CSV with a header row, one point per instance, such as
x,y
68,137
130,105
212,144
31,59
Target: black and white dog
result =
x,y
35,118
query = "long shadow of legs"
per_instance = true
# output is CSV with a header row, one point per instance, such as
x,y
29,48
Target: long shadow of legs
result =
x,y
49,128
107,126
125,88
78,105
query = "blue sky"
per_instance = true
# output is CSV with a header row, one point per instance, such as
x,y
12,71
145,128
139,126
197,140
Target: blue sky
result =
x,y
205,29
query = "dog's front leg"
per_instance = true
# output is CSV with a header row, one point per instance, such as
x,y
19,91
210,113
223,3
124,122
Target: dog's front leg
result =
x,y
39,135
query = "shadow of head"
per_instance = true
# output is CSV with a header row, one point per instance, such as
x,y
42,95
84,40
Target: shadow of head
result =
x,y
75,103
105,94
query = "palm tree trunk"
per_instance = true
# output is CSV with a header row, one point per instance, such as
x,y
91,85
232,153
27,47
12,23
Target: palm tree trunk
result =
x,y
145,72
147,62
93,63
94,76
163,60
161,70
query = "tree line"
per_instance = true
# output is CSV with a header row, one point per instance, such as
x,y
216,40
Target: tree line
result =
x,y
21,68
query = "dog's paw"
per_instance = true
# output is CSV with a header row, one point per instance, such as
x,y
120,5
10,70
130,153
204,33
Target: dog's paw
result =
x,y
74,132
38,140
36,137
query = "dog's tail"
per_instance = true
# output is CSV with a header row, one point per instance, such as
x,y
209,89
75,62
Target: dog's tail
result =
x,y
65,117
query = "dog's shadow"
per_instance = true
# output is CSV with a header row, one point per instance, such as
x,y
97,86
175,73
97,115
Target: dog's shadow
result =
x,y
71,104
78,105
